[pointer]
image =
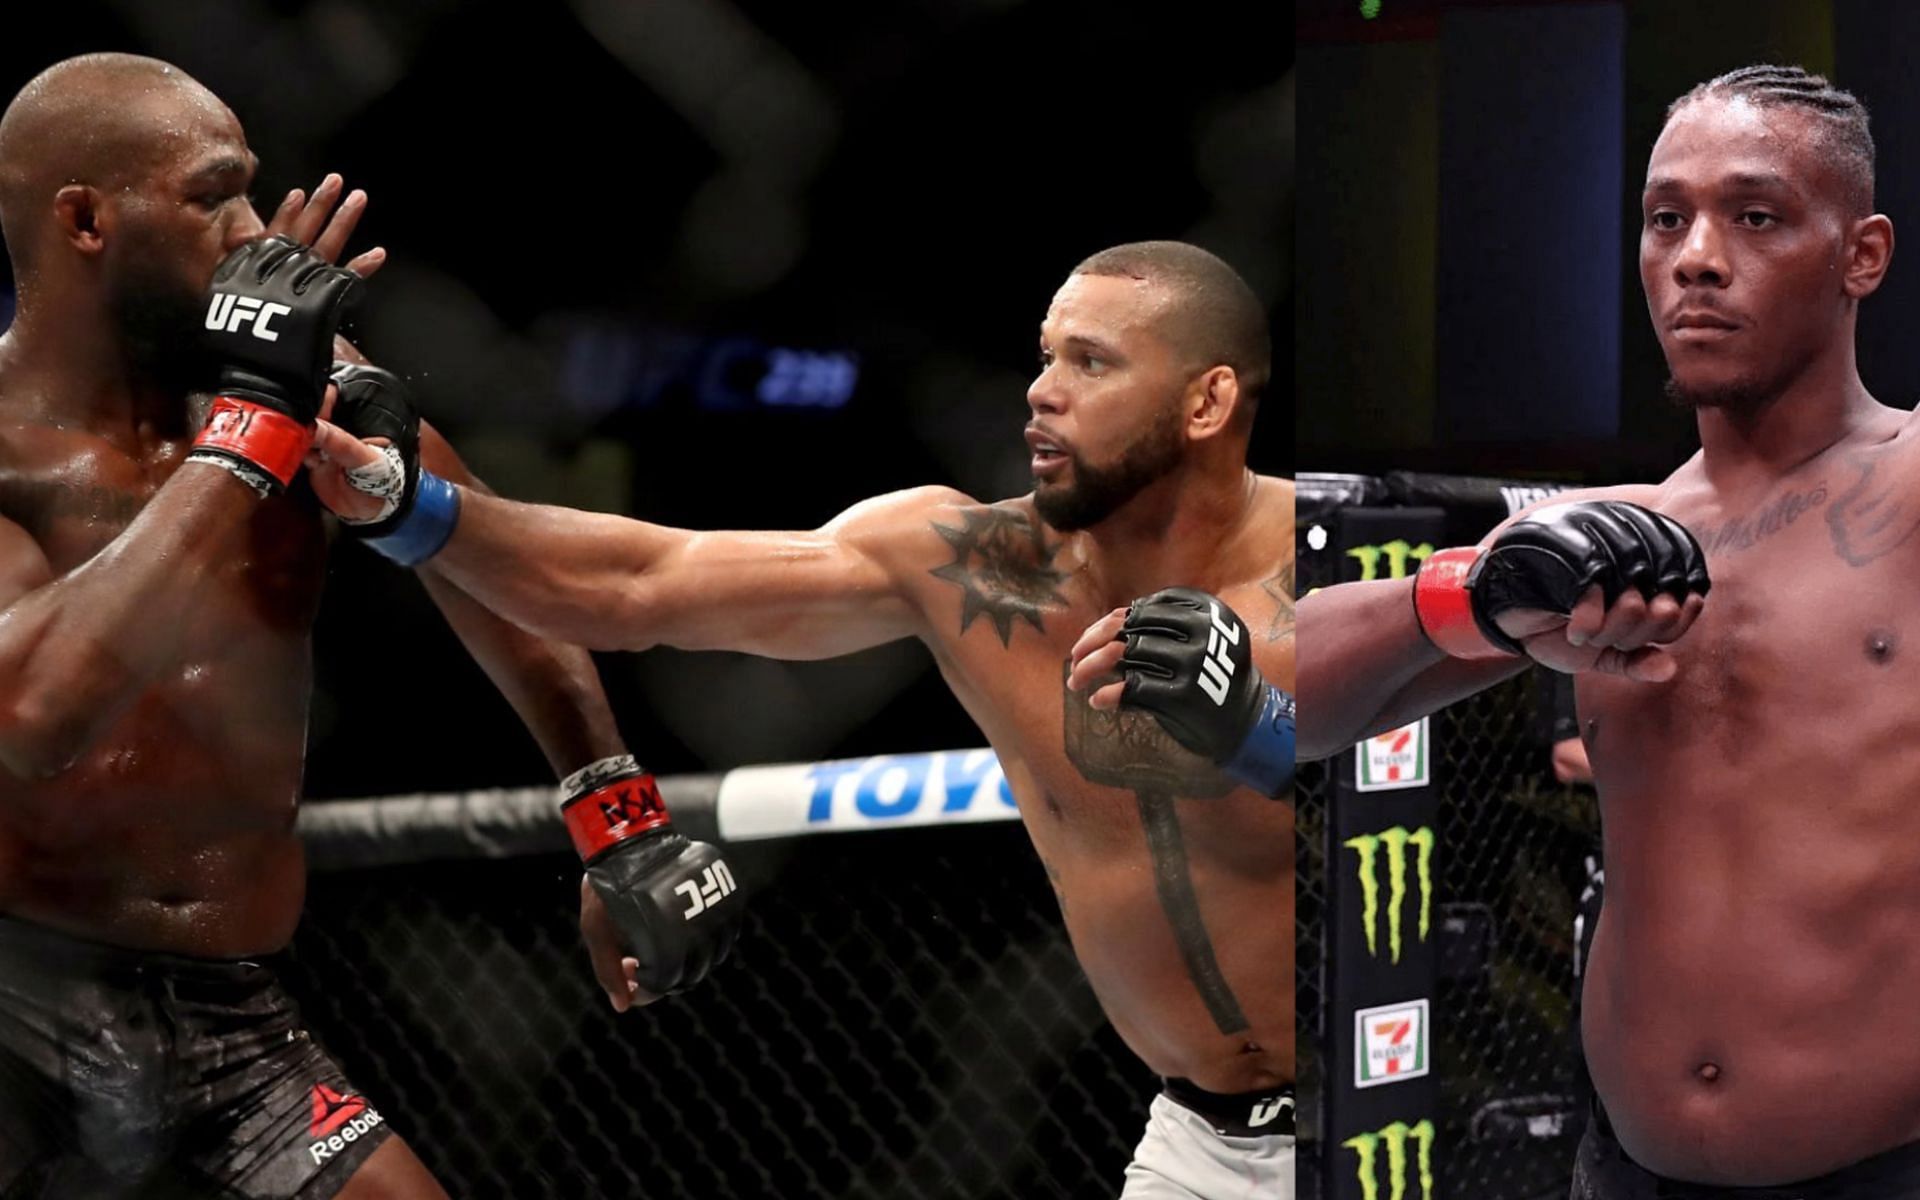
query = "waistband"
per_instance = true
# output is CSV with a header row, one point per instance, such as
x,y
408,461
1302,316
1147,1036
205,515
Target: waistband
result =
x,y
51,950
1869,1179
1238,1114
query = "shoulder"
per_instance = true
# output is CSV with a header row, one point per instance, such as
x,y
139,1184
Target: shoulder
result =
x,y
904,509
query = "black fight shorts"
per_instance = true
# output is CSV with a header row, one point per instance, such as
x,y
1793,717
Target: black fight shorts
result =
x,y
1602,1171
149,1077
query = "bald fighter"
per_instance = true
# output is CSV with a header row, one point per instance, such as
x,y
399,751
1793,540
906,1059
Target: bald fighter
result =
x,y
1175,876
1748,1003
160,563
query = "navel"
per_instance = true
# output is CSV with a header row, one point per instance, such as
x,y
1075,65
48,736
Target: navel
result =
x,y
1880,646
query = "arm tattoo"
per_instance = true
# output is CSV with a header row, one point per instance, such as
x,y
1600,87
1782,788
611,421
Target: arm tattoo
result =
x,y
1003,568
1280,587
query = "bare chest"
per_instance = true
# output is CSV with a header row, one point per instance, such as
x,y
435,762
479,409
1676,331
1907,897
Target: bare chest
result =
x,y
1812,618
77,494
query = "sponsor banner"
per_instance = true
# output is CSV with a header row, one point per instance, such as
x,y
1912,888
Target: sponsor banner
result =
x,y
1391,852
1394,1161
1391,1043
1398,758
885,792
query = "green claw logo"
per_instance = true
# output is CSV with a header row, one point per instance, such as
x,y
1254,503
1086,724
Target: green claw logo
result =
x,y
1397,555
1394,1137
1396,840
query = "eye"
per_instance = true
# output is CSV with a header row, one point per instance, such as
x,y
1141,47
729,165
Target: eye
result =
x,y
1093,364
1755,219
1665,219
1046,358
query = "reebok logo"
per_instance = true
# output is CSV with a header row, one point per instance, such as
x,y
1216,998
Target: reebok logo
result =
x,y
1216,669
338,1121
716,884
229,312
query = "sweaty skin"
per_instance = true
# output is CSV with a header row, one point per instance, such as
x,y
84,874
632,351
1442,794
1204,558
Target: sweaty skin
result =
x,y
1196,972
1748,1002
1175,883
155,615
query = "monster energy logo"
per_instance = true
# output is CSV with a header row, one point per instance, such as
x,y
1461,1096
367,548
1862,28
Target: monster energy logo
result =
x,y
1396,840
1394,1137
1396,555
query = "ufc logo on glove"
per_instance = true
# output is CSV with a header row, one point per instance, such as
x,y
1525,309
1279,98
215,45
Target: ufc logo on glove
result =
x,y
228,312
1216,670
716,883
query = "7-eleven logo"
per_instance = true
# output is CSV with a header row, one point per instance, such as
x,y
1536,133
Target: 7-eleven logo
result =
x,y
1390,1043
1397,758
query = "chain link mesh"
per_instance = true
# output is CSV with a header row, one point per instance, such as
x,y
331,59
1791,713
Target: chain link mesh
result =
x,y
1514,844
903,1019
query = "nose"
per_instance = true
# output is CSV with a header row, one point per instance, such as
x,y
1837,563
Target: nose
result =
x,y
1044,394
1703,256
245,228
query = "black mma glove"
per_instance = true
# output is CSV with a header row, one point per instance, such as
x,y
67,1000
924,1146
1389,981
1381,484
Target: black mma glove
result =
x,y
1547,561
420,509
272,312
1189,661
373,403
674,901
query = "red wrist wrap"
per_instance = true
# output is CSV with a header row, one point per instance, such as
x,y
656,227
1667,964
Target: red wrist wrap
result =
x,y
1445,607
603,818
270,440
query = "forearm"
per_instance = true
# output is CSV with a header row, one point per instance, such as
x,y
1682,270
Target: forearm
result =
x,y
75,653
570,576
1365,666
553,686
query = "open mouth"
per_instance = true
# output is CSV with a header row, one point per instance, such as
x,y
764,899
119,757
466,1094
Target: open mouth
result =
x,y
1048,455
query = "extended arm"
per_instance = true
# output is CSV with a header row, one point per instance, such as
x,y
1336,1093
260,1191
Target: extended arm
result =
x,y
612,582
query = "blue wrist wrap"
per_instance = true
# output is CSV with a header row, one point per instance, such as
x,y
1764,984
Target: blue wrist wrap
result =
x,y
436,510
1265,760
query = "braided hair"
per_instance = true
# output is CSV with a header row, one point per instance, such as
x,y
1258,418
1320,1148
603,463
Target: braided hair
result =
x,y
1839,119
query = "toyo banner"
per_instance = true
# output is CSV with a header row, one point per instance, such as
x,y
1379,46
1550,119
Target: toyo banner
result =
x,y
887,791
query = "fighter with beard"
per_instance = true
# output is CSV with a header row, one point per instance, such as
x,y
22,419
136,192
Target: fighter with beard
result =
x,y
1175,876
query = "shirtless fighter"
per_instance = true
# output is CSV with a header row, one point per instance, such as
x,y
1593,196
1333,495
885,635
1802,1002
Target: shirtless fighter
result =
x,y
1748,1003
158,581
1175,877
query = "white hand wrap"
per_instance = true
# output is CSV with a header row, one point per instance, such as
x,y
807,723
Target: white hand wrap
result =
x,y
385,479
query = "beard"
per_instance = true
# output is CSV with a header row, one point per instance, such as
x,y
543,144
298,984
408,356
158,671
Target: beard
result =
x,y
159,319
1734,395
1096,493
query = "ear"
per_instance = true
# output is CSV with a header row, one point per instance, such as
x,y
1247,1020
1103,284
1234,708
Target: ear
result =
x,y
77,210
1868,253
1212,399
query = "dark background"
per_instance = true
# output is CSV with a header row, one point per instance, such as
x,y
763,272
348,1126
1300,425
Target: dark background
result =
x,y
617,229
1470,178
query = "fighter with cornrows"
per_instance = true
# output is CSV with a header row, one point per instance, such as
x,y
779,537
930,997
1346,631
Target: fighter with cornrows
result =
x,y
1743,635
